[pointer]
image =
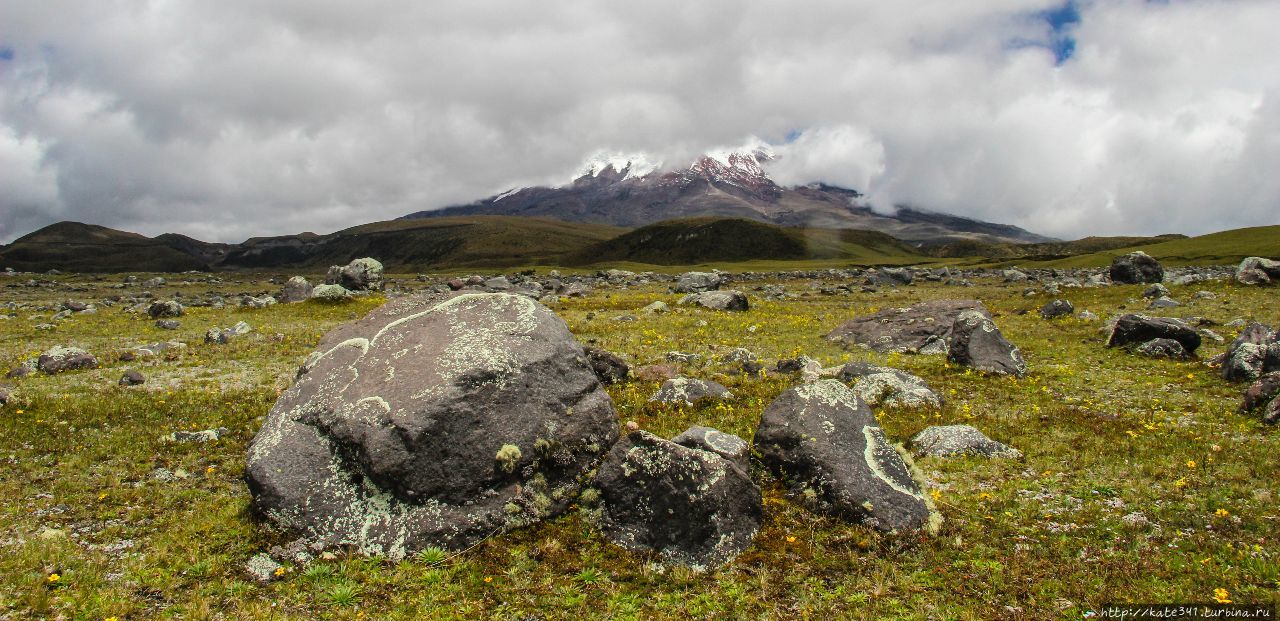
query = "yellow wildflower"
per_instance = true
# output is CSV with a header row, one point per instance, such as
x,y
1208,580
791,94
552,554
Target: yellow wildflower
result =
x,y
54,578
1222,512
1221,596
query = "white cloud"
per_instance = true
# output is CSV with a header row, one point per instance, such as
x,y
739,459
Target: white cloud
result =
x,y
231,119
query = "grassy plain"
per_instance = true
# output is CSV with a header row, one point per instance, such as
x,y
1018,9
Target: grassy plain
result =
x,y
88,531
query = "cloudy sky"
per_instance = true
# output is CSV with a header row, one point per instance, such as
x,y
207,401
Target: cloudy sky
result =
x,y
229,119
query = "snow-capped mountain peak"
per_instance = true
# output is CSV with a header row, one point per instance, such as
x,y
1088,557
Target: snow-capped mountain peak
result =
x,y
630,165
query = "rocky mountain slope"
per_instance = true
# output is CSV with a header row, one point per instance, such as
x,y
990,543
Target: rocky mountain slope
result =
x,y
623,192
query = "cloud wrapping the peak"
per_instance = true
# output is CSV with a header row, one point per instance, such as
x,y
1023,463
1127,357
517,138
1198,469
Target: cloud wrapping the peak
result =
x,y
232,119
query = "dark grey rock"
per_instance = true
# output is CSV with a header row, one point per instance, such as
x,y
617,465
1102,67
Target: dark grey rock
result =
x,y
690,506
826,446
168,324
726,445
223,336
131,377
1136,268
1136,329
1156,291
1163,302
689,391
59,359
610,368
1057,308
726,300
434,421
165,308
956,440
976,342
922,328
1263,394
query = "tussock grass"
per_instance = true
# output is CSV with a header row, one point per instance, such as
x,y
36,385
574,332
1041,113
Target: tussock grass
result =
x,y
1105,435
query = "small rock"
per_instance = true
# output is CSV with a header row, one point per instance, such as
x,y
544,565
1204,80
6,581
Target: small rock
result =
x,y
330,293
697,282
726,445
1163,302
689,391
1163,348
610,368
955,440
1057,308
262,567
655,372
296,289
168,324
207,435
727,300
131,377
165,308
1257,271
656,307
1156,291
977,342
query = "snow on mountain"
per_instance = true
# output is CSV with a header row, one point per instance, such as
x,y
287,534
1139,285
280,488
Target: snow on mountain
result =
x,y
634,165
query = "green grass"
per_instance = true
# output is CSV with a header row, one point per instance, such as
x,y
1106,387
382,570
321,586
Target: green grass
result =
x,y
1104,434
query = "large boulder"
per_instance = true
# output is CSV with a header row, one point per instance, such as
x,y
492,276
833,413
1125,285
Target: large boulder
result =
x,y
977,342
689,391
697,282
1134,329
296,289
359,275
726,300
956,440
434,421
1136,268
888,386
1254,352
691,506
826,446
59,359
922,328
1257,271
1264,394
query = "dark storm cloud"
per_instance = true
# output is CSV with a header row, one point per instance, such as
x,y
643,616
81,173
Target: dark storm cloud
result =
x,y
231,119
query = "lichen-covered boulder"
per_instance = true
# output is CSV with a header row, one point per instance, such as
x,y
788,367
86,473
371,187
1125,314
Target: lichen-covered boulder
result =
x,y
692,507
726,445
1257,271
689,391
922,328
976,342
434,421
956,440
825,444
165,308
1136,268
697,282
330,293
1254,352
59,359
1162,348
1134,329
726,300
296,289
222,336
888,386
359,275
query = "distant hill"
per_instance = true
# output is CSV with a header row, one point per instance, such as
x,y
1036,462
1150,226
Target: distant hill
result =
x,y
724,185
694,241
1224,247
79,247
480,241
1041,251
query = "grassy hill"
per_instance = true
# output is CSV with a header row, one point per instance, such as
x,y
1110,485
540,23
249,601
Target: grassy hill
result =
x,y
79,247
475,241
1045,251
694,241
1220,248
